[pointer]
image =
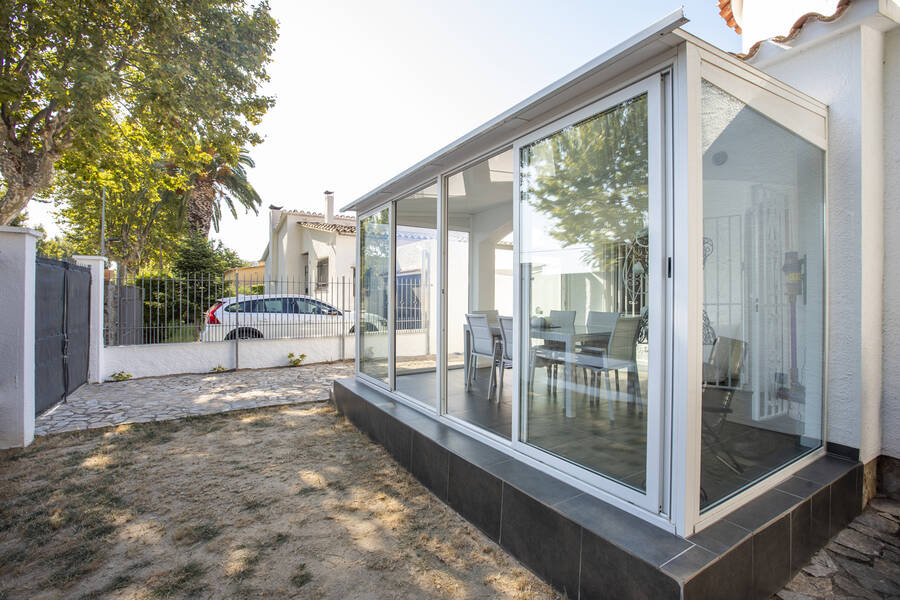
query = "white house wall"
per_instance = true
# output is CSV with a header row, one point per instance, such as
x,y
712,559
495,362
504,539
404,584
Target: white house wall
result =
x,y
152,360
890,412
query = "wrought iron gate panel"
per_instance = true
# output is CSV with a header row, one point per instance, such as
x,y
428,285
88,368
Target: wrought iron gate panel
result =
x,y
62,330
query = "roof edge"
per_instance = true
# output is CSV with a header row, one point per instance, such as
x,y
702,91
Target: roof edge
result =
x,y
796,28
661,27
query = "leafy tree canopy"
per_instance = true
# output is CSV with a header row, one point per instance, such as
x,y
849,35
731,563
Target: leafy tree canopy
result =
x,y
198,255
185,72
142,215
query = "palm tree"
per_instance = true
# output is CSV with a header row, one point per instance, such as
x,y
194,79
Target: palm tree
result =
x,y
217,181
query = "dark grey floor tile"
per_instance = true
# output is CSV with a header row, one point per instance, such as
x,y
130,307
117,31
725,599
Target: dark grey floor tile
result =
x,y
797,486
768,507
728,578
376,423
397,440
846,499
545,541
429,463
633,535
537,484
607,571
772,557
472,450
720,537
820,518
690,562
476,495
801,536
826,469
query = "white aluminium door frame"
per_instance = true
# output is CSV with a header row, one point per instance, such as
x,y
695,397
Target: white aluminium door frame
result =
x,y
652,499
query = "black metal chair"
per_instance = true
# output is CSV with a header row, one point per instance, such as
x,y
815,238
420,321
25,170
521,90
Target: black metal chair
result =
x,y
721,379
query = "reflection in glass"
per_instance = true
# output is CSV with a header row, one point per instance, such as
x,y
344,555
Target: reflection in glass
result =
x,y
374,279
416,295
479,281
763,309
584,248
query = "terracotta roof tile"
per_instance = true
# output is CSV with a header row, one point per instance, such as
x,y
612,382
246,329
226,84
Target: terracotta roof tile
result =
x,y
340,228
796,27
726,12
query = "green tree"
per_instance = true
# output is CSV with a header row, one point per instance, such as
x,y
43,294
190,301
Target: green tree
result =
x,y
187,71
142,216
219,180
198,255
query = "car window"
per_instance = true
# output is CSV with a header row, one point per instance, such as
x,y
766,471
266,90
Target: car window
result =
x,y
291,306
309,306
271,305
237,307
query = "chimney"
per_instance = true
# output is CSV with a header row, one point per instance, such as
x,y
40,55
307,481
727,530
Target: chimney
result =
x,y
329,207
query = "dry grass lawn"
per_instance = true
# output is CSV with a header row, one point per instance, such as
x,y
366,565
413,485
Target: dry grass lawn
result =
x,y
278,502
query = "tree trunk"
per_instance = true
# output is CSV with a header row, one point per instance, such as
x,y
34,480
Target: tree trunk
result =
x,y
201,201
14,201
27,169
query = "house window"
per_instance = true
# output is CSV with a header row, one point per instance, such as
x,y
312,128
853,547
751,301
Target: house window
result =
x,y
322,274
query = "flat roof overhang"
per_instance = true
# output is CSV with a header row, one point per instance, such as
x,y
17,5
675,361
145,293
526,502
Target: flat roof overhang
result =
x,y
533,111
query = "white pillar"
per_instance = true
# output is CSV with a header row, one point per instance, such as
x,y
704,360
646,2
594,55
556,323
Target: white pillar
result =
x,y
17,253
97,265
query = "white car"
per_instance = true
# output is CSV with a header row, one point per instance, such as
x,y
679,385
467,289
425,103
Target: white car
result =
x,y
272,316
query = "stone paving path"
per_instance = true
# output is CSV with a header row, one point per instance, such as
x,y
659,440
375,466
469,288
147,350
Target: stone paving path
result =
x,y
164,398
862,561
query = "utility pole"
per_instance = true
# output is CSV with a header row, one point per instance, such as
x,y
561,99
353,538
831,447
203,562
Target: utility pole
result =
x,y
103,224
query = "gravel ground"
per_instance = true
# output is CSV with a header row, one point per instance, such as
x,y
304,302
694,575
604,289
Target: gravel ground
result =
x,y
277,502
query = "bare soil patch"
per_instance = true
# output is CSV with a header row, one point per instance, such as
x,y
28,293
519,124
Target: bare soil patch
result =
x,y
278,502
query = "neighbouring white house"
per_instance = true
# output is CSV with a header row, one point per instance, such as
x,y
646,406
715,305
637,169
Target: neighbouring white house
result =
x,y
690,255
308,252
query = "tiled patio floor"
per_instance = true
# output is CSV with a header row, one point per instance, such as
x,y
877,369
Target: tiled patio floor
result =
x,y
164,398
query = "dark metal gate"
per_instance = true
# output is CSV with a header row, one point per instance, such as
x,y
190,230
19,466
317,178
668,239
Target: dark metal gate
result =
x,y
62,330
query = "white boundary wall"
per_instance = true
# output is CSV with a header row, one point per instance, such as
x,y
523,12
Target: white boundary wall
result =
x,y
201,357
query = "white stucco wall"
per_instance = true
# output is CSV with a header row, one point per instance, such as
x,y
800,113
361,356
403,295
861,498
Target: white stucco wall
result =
x,y
890,410
844,71
201,357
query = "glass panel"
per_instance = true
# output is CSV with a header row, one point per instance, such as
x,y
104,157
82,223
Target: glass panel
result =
x,y
417,296
479,281
374,276
584,234
763,296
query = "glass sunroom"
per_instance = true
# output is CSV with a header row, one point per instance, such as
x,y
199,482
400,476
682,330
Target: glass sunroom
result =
x,y
618,283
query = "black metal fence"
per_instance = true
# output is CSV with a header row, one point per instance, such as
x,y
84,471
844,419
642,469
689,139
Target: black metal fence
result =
x,y
62,330
209,308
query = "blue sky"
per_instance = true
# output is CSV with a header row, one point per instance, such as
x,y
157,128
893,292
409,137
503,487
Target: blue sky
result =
x,y
365,89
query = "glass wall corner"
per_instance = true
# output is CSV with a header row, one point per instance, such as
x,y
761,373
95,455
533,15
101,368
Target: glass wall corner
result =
x,y
763,285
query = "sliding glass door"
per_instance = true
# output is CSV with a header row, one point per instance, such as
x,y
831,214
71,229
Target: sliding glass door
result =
x,y
592,302
479,203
